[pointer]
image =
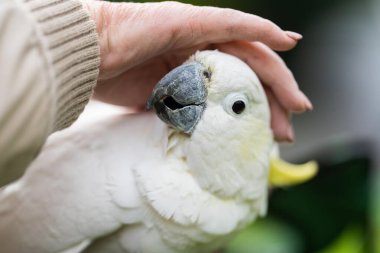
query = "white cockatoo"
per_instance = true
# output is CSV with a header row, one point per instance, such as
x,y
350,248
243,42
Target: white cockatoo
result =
x,y
185,181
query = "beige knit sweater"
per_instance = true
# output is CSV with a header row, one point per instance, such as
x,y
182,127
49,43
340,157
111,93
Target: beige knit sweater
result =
x,y
49,61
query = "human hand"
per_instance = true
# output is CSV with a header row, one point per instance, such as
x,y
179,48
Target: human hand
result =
x,y
141,42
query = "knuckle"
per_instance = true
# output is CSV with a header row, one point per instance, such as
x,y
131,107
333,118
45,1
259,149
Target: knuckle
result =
x,y
227,12
289,72
230,20
267,27
189,25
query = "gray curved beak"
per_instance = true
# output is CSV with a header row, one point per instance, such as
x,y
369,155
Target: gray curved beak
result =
x,y
179,98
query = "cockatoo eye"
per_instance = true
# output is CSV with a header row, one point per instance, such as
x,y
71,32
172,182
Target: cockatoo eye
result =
x,y
238,107
235,103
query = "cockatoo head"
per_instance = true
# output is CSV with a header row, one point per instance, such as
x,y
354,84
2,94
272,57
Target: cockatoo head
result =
x,y
218,102
208,78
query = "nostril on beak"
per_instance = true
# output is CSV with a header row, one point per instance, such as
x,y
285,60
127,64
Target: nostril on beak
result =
x,y
171,103
207,74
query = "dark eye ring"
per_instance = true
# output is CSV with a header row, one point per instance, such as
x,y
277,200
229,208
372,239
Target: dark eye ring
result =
x,y
238,106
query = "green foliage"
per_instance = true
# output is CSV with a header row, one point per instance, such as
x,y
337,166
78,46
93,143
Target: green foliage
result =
x,y
266,236
324,207
350,241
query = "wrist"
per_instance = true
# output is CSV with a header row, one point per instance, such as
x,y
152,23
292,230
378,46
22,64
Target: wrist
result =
x,y
95,10
69,44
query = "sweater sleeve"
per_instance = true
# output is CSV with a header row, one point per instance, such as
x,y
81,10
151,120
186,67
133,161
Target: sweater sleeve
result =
x,y
49,64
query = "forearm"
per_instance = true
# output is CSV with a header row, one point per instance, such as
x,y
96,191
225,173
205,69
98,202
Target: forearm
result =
x,y
49,58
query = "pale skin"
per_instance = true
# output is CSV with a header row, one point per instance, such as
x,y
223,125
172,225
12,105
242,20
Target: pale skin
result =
x,y
140,43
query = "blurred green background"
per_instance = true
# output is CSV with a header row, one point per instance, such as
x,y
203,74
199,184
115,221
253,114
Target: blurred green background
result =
x,y
337,64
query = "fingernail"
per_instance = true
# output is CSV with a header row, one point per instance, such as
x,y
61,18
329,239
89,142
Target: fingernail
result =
x,y
309,105
290,135
294,35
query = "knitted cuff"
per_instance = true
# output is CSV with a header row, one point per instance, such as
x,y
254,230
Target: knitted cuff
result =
x,y
72,50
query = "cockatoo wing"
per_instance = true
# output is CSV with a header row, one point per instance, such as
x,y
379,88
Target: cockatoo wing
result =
x,y
80,186
175,195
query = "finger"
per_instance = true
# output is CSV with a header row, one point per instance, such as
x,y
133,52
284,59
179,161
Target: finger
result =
x,y
216,25
272,71
280,120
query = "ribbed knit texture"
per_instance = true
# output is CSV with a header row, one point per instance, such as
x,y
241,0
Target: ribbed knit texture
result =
x,y
73,53
49,60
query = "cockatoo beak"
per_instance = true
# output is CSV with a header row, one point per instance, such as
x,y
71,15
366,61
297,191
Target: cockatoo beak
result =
x,y
282,173
179,98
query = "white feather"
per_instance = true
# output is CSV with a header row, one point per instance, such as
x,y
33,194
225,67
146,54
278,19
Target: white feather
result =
x,y
128,183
